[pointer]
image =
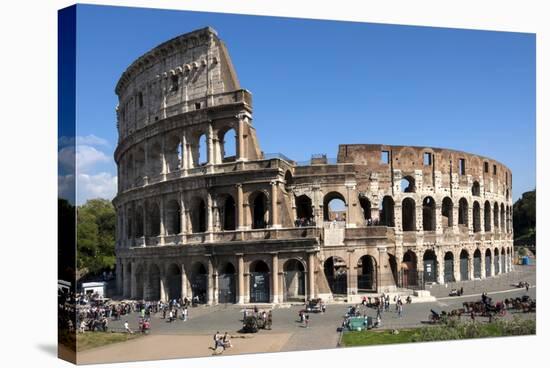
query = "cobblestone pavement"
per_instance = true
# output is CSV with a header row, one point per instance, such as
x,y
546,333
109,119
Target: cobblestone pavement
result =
x,y
321,332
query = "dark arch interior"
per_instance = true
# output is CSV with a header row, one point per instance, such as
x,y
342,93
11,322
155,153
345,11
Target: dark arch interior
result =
x,y
229,214
334,207
408,214
387,212
259,211
304,210
259,266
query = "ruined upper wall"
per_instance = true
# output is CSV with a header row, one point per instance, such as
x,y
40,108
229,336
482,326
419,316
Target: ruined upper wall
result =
x,y
408,159
174,77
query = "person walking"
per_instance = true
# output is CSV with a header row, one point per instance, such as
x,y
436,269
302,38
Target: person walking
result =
x,y
399,308
127,328
307,320
526,286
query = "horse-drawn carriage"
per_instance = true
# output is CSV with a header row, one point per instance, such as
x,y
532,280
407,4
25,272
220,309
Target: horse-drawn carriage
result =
x,y
315,306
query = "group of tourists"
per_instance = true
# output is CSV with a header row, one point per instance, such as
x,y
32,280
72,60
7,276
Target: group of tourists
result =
x,y
303,221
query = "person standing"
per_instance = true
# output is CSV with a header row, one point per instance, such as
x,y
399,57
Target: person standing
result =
x,y
307,319
399,308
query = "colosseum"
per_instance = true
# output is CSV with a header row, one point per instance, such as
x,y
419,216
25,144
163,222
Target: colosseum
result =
x,y
203,212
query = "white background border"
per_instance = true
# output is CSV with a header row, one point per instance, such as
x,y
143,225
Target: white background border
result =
x,y
29,184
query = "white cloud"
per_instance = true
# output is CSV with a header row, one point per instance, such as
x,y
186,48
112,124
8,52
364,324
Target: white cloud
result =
x,y
102,185
86,158
88,140
65,187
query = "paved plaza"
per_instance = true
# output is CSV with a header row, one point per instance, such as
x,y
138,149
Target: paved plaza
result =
x,y
193,338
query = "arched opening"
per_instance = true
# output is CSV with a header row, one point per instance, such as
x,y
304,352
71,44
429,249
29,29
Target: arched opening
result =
x,y
495,216
430,266
487,216
198,215
477,264
475,189
129,227
153,287
139,167
464,265
476,217
407,184
153,219
488,263
228,145
199,282
366,207
409,269
367,274
294,281
155,159
202,150
173,217
226,284
259,211
139,221
447,212
336,273
387,212
130,175
503,261
448,267
334,207
428,214
304,211
127,283
289,181
259,282
173,153
140,282
497,261
463,212
228,214
503,223
408,214
173,281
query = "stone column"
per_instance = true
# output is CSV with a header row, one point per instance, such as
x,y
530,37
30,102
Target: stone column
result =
x,y
438,219
163,158
216,286
492,262
440,264
162,286
183,282
482,219
482,265
274,206
210,144
209,283
183,218
352,274
240,211
133,285
456,207
275,278
184,165
470,266
470,217
418,214
240,140
209,210
311,275
162,222
240,279
144,208
456,267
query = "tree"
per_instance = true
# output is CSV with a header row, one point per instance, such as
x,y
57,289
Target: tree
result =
x,y
96,225
525,214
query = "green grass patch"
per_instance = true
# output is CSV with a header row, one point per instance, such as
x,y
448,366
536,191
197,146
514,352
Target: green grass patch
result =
x,y
452,330
90,340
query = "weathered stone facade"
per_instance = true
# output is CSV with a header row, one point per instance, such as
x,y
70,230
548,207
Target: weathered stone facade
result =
x,y
224,227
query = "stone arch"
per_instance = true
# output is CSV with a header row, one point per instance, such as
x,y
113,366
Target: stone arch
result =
x,y
153,286
448,269
228,213
336,272
476,214
294,280
130,174
387,213
408,214
259,282
173,217
463,212
407,184
336,199
139,166
409,267
487,216
365,204
495,216
199,281
502,219
153,218
139,282
464,267
198,215
503,260
129,224
289,180
138,218
430,266
428,214
173,281
228,144
226,283
476,191
477,264
447,212
154,159
173,152
367,274
259,210
201,150
496,261
304,210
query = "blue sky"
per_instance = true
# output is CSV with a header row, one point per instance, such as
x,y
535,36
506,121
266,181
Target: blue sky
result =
x,y
317,84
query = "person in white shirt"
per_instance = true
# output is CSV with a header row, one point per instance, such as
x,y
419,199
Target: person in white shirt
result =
x,y
127,328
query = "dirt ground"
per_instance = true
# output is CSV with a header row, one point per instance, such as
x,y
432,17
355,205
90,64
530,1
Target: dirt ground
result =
x,y
156,347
